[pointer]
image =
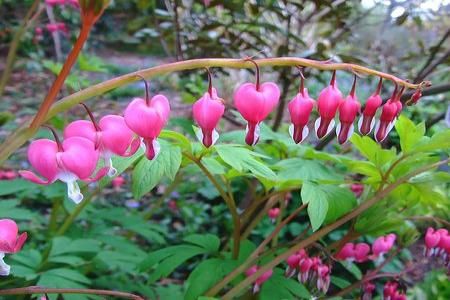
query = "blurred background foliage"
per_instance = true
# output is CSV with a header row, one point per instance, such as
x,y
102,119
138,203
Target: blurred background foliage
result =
x,y
108,241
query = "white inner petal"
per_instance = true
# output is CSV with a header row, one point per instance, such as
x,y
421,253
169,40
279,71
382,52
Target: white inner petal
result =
x,y
156,148
215,136
73,190
108,163
198,133
4,268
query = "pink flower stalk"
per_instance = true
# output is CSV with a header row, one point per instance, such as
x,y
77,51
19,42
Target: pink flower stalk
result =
x,y
382,245
323,278
273,213
387,118
255,102
117,182
367,120
432,239
10,242
111,136
207,112
260,280
74,159
327,104
300,109
147,117
368,289
348,110
304,269
357,189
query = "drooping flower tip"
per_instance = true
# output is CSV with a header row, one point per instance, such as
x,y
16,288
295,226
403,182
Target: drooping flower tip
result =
x,y
273,213
348,110
207,112
357,189
10,242
382,245
327,104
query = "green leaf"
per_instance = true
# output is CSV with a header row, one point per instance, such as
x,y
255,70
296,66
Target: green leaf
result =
x,y
409,133
69,275
243,160
10,187
317,212
298,169
372,150
280,287
352,268
148,173
213,166
209,242
121,164
67,259
63,245
178,138
206,274
439,141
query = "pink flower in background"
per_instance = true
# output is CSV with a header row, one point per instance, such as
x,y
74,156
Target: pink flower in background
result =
x,y
327,104
207,112
260,280
273,213
367,120
255,102
10,242
368,289
8,175
300,109
147,117
432,239
58,26
118,182
357,189
74,159
323,277
383,245
55,2
304,269
348,110
293,262
111,136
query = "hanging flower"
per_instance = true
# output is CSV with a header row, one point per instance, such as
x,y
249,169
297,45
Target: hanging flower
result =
x,y
10,242
348,110
367,120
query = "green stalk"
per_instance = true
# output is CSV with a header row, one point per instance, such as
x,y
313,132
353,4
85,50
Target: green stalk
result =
x,y
23,133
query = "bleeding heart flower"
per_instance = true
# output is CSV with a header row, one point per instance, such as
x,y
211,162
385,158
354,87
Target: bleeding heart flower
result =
x,y
110,136
300,109
367,120
327,104
347,252
147,118
207,112
10,242
368,289
255,102
348,110
117,182
74,159
260,280
387,118
273,213
357,189
382,245
415,97
432,239
304,267
323,278
361,252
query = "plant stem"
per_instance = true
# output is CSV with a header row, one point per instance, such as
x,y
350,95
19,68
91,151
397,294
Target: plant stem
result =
x,y
42,290
54,216
15,45
228,201
23,133
380,194
59,81
78,209
215,289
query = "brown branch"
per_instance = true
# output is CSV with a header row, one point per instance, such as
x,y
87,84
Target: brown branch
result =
x,y
42,290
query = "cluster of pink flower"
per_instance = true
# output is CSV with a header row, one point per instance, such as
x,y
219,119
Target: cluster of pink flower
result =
x,y
7,174
56,26
10,242
360,252
309,269
391,291
73,3
437,244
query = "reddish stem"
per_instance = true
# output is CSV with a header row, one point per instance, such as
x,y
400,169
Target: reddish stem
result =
x,y
91,116
333,79
302,82
147,90
380,84
58,142
352,92
209,82
257,71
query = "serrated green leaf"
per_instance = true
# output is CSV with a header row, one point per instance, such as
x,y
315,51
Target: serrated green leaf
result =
x,y
409,133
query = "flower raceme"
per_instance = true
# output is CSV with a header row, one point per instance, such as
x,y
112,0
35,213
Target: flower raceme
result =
x,y
360,252
147,117
300,109
437,244
74,159
111,136
207,112
327,104
255,102
389,113
261,279
348,110
10,242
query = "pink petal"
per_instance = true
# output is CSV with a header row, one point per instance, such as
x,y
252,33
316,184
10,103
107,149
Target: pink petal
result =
x,y
79,157
81,128
20,241
207,111
28,175
99,175
116,136
42,156
8,235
